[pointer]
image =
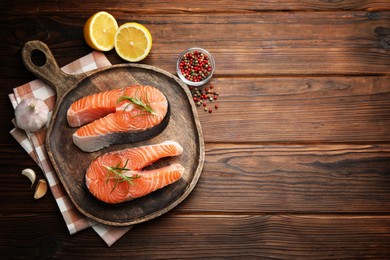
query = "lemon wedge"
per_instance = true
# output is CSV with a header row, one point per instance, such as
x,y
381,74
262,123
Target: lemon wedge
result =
x,y
100,30
133,42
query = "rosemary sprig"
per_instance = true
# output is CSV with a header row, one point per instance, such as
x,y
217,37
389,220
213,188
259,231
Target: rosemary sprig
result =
x,y
144,105
117,173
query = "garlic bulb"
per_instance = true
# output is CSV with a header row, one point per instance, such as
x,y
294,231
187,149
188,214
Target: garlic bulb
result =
x,y
31,114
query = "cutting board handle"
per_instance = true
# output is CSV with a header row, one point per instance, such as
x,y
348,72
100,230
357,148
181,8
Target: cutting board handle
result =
x,y
49,71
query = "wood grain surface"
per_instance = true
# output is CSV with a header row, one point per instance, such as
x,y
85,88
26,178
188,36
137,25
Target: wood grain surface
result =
x,y
297,161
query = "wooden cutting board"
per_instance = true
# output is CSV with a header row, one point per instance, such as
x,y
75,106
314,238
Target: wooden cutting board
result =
x,y
70,163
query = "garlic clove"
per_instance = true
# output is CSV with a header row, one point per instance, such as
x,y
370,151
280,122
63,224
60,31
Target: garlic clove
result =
x,y
41,189
29,173
31,114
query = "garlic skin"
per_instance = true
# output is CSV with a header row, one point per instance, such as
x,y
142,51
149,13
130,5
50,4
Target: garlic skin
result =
x,y
31,114
29,173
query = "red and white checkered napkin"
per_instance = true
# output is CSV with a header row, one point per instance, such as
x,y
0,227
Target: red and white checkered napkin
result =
x,y
34,144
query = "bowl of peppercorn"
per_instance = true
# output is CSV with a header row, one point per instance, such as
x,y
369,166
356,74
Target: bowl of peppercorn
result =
x,y
195,66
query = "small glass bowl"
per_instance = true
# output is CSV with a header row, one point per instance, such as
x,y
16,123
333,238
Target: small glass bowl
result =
x,y
195,83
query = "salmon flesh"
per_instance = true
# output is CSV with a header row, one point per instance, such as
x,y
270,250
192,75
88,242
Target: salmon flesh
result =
x,y
117,176
124,115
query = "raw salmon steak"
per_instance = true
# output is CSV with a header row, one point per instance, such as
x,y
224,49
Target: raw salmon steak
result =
x,y
124,115
118,176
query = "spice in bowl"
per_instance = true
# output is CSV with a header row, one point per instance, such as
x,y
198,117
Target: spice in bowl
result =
x,y
195,66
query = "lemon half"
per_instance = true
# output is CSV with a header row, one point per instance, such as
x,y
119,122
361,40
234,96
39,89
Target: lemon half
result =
x,y
133,42
100,30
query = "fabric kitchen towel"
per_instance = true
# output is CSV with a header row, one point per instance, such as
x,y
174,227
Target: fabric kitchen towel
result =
x,y
34,145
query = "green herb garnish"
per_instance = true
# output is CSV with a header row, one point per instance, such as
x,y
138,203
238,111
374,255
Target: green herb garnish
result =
x,y
144,105
117,173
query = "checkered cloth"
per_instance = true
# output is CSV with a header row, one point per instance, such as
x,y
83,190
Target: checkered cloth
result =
x,y
34,145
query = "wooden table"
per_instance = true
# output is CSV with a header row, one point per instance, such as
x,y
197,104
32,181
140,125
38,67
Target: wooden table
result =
x,y
297,155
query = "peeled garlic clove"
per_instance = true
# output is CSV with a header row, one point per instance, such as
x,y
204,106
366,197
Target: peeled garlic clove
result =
x,y
31,114
29,173
41,189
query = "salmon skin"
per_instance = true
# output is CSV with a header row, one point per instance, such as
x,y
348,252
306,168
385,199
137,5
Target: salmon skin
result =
x,y
124,115
117,176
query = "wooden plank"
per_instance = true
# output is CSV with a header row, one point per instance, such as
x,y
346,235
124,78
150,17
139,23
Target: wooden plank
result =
x,y
283,236
332,109
288,109
177,6
255,179
271,43
206,236
278,43
293,178
302,109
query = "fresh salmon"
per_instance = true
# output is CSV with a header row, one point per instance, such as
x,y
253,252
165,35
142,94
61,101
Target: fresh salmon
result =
x,y
123,115
117,176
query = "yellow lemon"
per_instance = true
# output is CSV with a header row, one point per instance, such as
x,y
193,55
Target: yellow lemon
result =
x,y
99,31
133,42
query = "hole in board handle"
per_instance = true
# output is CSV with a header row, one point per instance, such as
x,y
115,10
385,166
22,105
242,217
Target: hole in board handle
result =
x,y
38,58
